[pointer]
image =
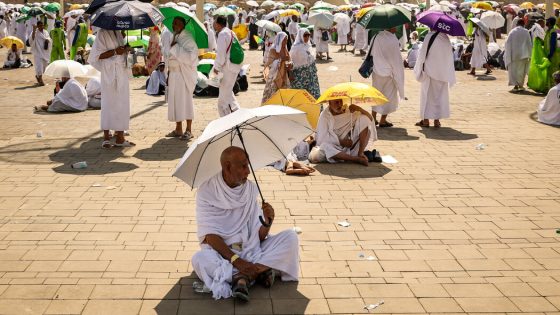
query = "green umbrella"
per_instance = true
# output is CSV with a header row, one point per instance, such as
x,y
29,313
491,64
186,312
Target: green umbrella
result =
x,y
139,42
305,25
224,11
138,32
52,7
197,29
23,18
25,9
384,17
297,6
35,11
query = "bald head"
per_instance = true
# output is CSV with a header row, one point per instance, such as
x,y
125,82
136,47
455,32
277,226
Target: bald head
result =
x,y
235,166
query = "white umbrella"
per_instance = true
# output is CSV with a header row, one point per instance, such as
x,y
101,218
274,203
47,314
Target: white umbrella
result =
x,y
267,133
341,17
493,19
320,19
268,4
482,25
66,69
252,3
183,4
91,72
269,26
74,12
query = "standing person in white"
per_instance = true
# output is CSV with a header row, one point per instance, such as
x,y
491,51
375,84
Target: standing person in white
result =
x,y
321,42
519,47
360,39
165,39
293,28
342,29
436,72
108,55
183,57
388,73
479,58
227,103
41,46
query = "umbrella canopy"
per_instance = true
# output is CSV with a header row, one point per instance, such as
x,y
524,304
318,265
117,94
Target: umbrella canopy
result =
x,y
193,25
322,5
298,99
10,40
266,133
321,19
442,22
289,12
363,11
527,5
385,17
35,11
268,4
481,25
126,15
341,17
511,9
269,26
52,7
209,6
223,11
91,72
75,6
359,93
482,5
74,12
493,19
297,6
65,69
252,3
205,65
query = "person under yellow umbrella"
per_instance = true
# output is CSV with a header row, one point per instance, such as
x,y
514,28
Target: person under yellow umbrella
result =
x,y
8,41
344,132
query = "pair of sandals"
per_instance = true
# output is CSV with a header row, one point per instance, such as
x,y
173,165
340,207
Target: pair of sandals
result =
x,y
373,156
427,125
106,144
240,291
175,134
386,124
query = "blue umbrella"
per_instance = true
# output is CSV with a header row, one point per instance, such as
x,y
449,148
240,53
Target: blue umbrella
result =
x,y
126,15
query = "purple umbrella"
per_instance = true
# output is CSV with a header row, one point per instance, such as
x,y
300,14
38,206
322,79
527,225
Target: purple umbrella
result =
x,y
441,22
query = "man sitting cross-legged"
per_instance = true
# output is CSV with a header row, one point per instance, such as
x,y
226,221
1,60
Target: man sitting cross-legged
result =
x,y
236,248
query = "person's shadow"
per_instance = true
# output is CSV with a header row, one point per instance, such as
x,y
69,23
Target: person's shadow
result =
x,y
99,161
166,149
352,170
446,133
395,134
283,298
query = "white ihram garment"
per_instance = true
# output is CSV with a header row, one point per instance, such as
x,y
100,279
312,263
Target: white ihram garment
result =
x,y
321,46
227,102
480,49
518,50
233,214
165,40
41,56
157,78
549,109
115,94
360,37
73,94
342,28
437,75
388,71
183,59
93,89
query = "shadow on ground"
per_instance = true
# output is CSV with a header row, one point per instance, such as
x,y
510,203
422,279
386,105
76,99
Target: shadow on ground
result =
x,y
166,149
446,133
395,134
99,161
350,170
282,298
534,116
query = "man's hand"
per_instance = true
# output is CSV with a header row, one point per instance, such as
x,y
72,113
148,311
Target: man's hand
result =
x,y
268,212
347,143
249,269
354,108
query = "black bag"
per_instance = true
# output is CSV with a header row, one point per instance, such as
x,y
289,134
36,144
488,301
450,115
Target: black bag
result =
x,y
432,39
325,35
366,68
46,45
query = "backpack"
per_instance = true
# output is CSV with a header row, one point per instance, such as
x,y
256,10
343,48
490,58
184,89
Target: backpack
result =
x,y
325,35
236,55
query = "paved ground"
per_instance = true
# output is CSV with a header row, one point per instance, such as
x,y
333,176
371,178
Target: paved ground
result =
x,y
453,229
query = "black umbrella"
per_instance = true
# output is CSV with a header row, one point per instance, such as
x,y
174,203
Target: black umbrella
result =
x,y
126,15
35,11
96,4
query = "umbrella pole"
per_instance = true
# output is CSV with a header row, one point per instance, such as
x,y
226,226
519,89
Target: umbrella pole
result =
x,y
254,176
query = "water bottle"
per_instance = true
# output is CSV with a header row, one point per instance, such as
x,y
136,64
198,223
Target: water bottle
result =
x,y
480,146
79,165
200,287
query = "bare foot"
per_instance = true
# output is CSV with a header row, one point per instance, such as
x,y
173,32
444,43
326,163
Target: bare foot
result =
x,y
362,159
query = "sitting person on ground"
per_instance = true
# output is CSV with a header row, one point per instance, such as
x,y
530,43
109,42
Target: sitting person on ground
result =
x,y
295,162
157,82
343,134
93,89
72,97
13,59
412,56
549,108
236,248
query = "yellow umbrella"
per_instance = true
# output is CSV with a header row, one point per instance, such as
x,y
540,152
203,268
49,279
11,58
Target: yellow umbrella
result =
x,y
75,6
357,93
289,12
527,5
298,99
10,40
362,12
482,5
241,31
208,55
345,7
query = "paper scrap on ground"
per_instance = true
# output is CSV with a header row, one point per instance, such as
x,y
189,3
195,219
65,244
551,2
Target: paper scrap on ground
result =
x,y
480,146
111,187
97,185
389,159
363,256
344,223
297,229
333,68
373,306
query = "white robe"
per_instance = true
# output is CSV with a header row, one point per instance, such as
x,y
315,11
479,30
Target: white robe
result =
x,y
233,214
388,71
226,99
360,37
322,46
293,29
93,90
331,128
518,50
437,75
509,22
211,39
73,94
21,31
70,30
165,39
343,29
115,93
549,109
41,56
413,55
480,49
537,31
3,28
157,78
183,57
12,57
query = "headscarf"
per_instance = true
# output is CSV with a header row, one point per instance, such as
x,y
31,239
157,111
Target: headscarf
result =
x,y
301,51
278,40
299,37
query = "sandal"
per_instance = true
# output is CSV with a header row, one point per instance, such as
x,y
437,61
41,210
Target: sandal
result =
x,y
385,125
421,124
266,279
240,291
125,144
174,134
106,144
437,125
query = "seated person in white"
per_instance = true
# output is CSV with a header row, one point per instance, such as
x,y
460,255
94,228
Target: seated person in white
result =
x,y
13,59
72,97
236,248
157,82
343,134
412,56
549,108
93,89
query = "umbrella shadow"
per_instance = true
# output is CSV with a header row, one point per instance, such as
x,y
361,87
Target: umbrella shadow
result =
x,y
446,133
351,170
181,299
99,160
485,77
395,134
167,149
